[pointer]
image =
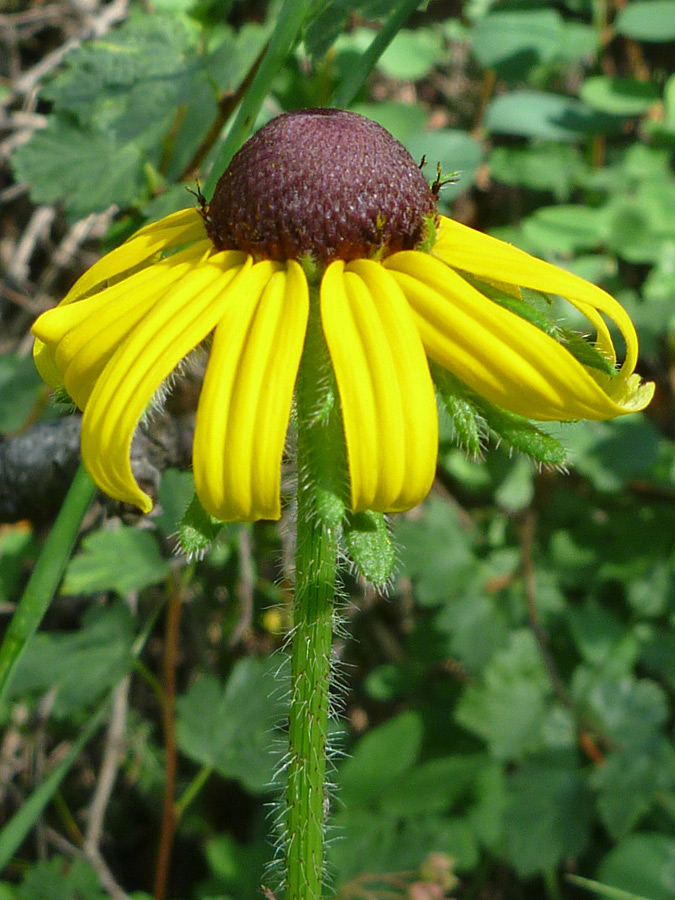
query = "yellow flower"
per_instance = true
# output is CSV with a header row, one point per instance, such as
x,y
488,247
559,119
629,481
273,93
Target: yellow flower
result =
x,y
385,308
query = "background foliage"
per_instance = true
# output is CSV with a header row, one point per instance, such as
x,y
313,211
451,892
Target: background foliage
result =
x,y
508,709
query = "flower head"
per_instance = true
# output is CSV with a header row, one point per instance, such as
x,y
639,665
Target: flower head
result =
x,y
325,197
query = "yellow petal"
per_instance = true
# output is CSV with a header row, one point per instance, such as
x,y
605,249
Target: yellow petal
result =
x,y
176,324
500,355
83,336
180,228
386,393
489,258
246,398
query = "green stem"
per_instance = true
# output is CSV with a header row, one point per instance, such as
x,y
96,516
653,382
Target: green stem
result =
x,y
355,78
284,37
316,570
46,576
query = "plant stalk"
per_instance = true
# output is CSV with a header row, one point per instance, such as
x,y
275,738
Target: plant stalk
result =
x,y
315,579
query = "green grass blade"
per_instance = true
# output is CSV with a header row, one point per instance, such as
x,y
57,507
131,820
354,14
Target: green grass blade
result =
x,y
46,576
345,93
284,37
604,890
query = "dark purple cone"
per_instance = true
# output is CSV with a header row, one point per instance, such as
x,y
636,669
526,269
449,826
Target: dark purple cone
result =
x,y
321,182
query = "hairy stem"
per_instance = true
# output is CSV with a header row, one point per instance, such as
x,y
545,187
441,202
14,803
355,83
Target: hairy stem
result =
x,y
316,567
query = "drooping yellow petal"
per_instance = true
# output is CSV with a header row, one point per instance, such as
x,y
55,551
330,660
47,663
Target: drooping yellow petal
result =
x,y
501,356
491,259
386,393
79,338
176,324
178,229
246,398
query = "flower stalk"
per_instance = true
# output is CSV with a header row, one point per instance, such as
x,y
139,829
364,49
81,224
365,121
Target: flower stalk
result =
x,y
318,515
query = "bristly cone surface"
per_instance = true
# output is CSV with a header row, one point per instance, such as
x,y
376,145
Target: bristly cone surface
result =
x,y
322,183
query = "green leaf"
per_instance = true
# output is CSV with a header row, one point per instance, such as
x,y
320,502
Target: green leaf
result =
x,y
82,664
175,494
631,781
436,552
647,20
330,17
507,707
468,427
550,117
124,560
512,43
380,758
87,170
549,814
198,530
20,386
540,167
619,96
60,878
370,546
643,864
409,57
566,229
434,786
229,726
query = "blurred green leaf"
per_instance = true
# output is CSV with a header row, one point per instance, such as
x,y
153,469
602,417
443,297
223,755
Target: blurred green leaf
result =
x,y
81,665
618,96
507,706
513,42
643,864
630,782
540,167
123,560
229,727
380,758
647,20
549,117
60,878
548,818
436,552
20,386
566,229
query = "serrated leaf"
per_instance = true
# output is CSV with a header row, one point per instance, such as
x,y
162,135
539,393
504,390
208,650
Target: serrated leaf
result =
x,y
631,781
229,726
436,553
370,546
89,171
508,706
60,878
97,566
80,664
549,814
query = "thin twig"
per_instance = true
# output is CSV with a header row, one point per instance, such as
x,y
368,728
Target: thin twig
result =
x,y
105,876
527,530
112,756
